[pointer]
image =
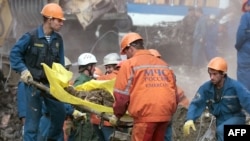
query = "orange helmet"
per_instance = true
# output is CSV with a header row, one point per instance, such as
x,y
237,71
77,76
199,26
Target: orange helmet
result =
x,y
53,10
97,72
155,53
218,63
128,39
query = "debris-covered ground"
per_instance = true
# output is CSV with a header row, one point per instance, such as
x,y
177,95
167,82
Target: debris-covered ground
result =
x,y
205,127
10,126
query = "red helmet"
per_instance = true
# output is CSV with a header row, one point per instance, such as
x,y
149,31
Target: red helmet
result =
x,y
128,39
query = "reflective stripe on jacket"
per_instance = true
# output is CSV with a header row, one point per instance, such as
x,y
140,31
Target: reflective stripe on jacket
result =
x,y
146,87
234,98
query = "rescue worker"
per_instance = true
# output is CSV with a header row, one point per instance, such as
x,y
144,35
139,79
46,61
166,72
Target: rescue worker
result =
x,y
136,83
26,57
187,28
97,73
21,101
86,67
211,37
225,98
71,114
181,98
188,24
245,6
198,58
243,46
110,61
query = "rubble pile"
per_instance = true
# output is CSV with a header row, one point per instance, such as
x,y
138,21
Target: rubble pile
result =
x,y
98,96
10,125
205,127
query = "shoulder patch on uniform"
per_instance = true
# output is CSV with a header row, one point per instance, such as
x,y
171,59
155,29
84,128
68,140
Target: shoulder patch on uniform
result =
x,y
197,96
57,45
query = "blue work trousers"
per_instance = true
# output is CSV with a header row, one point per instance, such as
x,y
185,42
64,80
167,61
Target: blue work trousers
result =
x,y
230,121
103,133
56,113
21,100
44,128
168,133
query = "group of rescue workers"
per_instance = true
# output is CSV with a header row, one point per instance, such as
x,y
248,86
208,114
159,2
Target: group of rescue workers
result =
x,y
151,106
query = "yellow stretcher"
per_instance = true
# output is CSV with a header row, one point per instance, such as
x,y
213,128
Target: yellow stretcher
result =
x,y
59,77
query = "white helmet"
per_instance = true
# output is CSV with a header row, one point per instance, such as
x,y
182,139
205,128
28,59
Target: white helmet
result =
x,y
67,62
111,58
86,58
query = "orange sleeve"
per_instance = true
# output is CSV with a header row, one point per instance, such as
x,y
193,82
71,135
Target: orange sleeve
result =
x,y
182,99
107,77
121,91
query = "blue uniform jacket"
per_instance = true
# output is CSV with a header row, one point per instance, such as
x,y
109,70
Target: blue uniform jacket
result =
x,y
18,51
243,32
243,50
69,109
235,97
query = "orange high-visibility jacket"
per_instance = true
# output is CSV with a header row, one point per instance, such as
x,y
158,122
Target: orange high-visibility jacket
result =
x,y
108,76
181,98
94,118
146,87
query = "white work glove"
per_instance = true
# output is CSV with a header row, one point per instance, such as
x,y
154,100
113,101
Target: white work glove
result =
x,y
77,114
25,76
186,128
113,120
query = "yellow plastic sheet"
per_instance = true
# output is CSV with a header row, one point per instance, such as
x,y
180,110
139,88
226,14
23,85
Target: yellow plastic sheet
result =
x,y
59,77
93,84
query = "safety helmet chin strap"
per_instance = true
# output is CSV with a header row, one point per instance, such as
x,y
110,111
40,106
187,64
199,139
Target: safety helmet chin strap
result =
x,y
91,68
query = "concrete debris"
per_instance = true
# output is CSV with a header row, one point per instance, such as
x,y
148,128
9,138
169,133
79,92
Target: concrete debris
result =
x,y
98,96
10,126
205,127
